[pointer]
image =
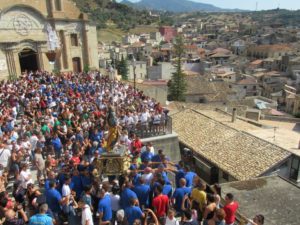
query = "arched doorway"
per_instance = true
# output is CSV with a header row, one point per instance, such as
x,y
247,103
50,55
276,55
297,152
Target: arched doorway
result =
x,y
28,60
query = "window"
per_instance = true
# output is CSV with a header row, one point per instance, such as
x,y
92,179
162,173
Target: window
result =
x,y
245,87
225,176
58,5
74,40
230,86
294,168
254,88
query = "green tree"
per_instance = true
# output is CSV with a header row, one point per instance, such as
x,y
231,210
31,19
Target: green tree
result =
x,y
122,67
177,85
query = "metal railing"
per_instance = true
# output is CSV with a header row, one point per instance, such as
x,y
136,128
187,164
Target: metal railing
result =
x,y
151,129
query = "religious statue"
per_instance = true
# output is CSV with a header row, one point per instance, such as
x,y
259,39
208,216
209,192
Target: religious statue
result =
x,y
113,132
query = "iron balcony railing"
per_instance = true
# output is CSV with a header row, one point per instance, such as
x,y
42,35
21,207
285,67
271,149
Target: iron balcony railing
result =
x,y
151,128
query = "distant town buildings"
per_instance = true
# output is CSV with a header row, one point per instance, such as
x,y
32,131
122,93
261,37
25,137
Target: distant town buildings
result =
x,y
168,33
227,58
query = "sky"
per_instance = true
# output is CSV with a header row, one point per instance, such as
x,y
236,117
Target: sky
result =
x,y
251,4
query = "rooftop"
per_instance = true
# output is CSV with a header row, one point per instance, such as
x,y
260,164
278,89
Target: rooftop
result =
x,y
283,134
273,48
273,197
247,81
256,62
238,153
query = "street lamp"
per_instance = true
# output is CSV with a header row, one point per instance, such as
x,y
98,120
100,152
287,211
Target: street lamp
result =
x,y
114,60
134,74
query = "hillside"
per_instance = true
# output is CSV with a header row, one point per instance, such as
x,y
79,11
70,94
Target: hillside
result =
x,y
124,16
174,5
114,34
277,17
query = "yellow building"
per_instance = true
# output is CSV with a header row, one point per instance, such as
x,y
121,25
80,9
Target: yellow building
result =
x,y
45,35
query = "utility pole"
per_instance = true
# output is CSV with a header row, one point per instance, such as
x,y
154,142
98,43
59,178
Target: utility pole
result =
x,y
134,74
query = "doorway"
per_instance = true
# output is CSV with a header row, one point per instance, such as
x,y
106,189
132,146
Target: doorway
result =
x,y
76,65
28,60
214,175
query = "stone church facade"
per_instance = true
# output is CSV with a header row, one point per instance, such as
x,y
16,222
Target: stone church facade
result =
x,y
45,35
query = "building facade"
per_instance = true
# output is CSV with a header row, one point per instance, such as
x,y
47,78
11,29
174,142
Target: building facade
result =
x,y
140,70
168,33
162,71
45,35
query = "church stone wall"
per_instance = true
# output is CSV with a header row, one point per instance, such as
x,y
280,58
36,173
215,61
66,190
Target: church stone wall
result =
x,y
93,44
23,25
3,66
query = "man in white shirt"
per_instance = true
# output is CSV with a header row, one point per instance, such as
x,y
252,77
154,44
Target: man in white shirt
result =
x,y
144,117
148,175
149,145
26,143
86,216
115,202
33,141
66,194
25,176
4,155
66,190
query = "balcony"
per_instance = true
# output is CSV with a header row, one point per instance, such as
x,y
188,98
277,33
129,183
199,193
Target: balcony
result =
x,y
149,129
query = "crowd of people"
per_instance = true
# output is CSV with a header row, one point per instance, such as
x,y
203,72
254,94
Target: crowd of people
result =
x,y
57,125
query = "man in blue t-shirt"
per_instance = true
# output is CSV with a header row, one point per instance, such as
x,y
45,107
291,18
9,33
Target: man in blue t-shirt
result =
x,y
104,208
142,191
189,176
51,177
179,194
126,195
147,155
54,199
133,212
135,176
42,218
179,173
158,158
57,145
76,183
167,189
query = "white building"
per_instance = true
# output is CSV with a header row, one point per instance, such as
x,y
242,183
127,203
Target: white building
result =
x,y
130,39
140,70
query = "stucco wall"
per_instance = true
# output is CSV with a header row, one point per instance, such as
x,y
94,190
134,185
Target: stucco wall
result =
x,y
169,143
3,66
93,47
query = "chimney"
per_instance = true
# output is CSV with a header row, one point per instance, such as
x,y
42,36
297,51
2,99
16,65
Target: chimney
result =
x,y
233,119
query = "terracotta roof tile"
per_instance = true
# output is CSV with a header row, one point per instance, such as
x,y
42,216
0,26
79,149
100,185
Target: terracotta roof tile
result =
x,y
240,154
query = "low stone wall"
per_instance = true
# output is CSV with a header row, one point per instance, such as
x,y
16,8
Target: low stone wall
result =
x,y
281,118
169,143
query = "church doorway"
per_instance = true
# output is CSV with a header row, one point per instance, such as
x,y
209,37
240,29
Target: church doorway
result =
x,y
28,60
76,65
